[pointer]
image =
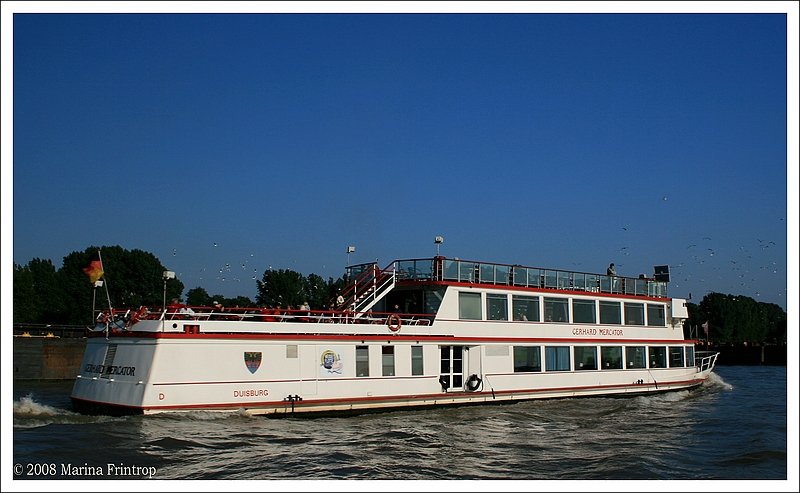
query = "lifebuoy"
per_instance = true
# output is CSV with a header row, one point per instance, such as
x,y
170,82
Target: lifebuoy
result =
x,y
394,322
473,383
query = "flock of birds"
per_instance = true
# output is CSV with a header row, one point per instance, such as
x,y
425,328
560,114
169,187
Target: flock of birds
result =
x,y
704,266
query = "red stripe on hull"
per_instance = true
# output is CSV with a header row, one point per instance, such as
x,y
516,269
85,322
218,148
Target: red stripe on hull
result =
x,y
387,337
409,400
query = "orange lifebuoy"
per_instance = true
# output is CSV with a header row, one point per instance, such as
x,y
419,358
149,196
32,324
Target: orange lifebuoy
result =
x,y
394,322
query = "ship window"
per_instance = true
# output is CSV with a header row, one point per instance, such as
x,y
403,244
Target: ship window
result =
x,y
362,361
496,307
655,315
556,310
676,357
610,312
585,357
291,351
469,306
416,360
387,360
556,358
611,357
689,355
451,371
431,299
527,358
583,312
526,308
634,314
658,357
636,357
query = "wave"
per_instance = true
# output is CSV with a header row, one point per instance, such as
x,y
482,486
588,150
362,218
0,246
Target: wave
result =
x,y
29,413
672,396
714,380
26,406
198,415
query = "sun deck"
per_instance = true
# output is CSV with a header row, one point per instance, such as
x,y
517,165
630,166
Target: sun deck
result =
x,y
473,272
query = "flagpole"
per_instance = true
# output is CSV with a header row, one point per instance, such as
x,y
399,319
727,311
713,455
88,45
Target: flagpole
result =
x,y
94,297
108,296
105,283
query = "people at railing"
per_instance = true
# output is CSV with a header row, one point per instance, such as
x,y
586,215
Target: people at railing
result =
x,y
219,313
179,311
269,314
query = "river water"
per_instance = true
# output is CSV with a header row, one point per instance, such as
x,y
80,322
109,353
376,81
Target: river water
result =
x,y
733,427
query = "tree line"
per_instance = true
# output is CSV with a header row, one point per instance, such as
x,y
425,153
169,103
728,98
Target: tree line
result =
x,y
46,295
134,278
737,319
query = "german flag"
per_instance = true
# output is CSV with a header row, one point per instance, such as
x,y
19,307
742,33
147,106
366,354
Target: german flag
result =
x,y
95,267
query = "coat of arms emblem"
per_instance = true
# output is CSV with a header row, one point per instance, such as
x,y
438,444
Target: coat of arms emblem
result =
x,y
252,360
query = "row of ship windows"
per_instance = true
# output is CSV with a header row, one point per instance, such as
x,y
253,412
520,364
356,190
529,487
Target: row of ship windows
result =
x,y
556,358
387,361
526,308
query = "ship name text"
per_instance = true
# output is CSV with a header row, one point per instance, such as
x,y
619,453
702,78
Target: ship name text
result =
x,y
110,370
593,331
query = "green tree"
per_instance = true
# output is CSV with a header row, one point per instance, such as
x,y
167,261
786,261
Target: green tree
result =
x,y
38,293
26,304
240,301
737,319
287,287
198,297
132,278
775,323
317,291
281,288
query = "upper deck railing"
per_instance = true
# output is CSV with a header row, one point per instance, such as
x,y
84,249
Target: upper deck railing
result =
x,y
468,271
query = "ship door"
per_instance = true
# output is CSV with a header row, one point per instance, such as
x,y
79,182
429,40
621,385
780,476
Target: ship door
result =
x,y
451,374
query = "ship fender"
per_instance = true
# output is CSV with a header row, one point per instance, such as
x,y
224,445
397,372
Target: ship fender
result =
x,y
393,322
473,383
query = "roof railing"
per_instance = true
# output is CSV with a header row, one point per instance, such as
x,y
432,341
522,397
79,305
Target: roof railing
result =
x,y
468,271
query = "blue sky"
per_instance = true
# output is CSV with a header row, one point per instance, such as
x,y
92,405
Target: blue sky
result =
x,y
228,144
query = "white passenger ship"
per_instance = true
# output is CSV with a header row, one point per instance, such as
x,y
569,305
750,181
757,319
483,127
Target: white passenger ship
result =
x,y
420,332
